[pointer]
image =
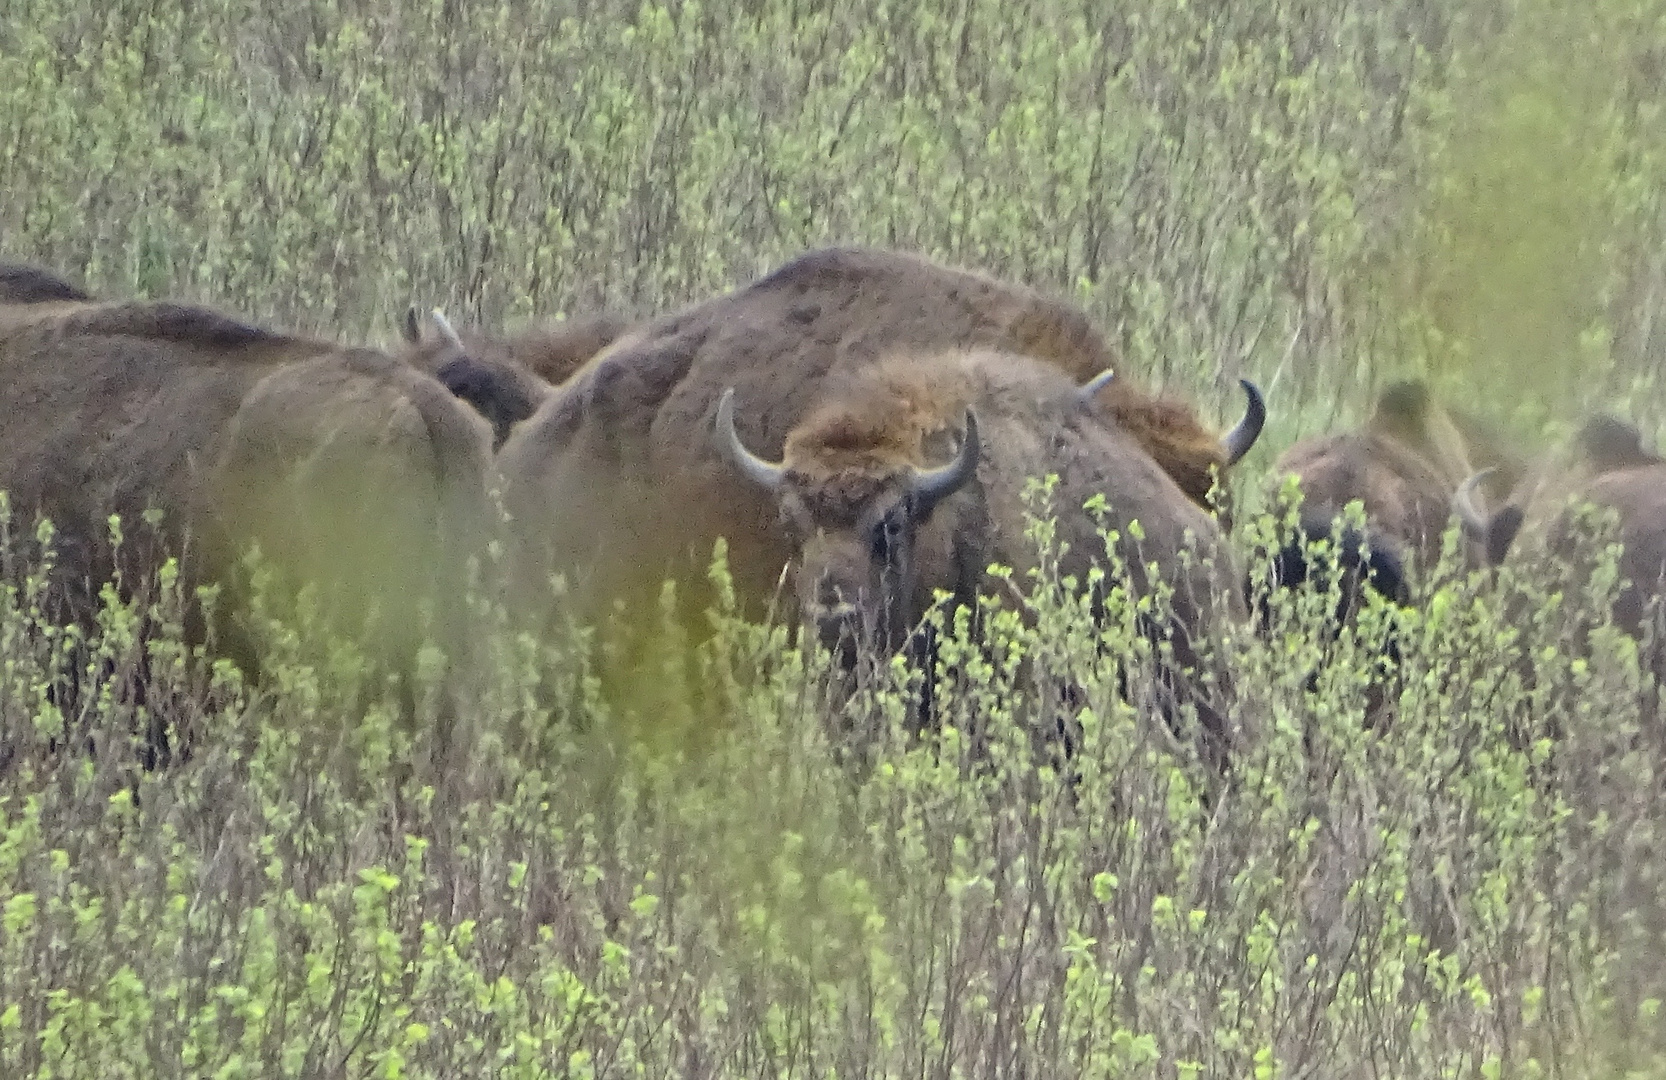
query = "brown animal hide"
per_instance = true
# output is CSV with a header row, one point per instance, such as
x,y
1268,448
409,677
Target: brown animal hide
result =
x,y
345,466
858,368
1403,466
505,379
1608,467
21,284
639,413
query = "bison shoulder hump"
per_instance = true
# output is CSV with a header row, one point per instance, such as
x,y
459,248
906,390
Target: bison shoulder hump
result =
x,y
171,323
31,285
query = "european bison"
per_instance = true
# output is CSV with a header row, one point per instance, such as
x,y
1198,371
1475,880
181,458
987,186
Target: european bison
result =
x,y
21,284
1608,467
505,379
1402,466
909,479
879,415
638,417
346,467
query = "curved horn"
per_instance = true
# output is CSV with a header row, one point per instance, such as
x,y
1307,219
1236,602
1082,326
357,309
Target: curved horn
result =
x,y
766,474
443,325
932,485
1239,440
1474,522
1090,389
411,328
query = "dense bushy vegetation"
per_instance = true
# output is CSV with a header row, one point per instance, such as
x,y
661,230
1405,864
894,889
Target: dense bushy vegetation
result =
x,y
780,876
791,880
1315,189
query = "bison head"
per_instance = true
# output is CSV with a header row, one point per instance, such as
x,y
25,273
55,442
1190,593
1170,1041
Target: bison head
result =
x,y
480,373
855,523
1490,535
1604,444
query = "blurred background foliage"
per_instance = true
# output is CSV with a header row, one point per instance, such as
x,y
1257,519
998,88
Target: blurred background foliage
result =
x,y
1325,193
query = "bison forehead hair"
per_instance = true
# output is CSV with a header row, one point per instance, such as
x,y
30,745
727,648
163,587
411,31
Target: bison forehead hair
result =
x,y
1172,434
884,420
838,499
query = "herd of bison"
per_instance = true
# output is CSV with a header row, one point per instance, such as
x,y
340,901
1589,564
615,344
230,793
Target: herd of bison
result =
x,y
861,428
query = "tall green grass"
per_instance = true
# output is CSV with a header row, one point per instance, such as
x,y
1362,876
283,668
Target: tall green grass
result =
x,y
1316,190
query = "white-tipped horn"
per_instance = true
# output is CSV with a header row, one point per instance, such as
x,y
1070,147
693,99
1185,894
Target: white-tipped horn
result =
x,y
443,326
1090,389
1239,440
1474,522
931,486
767,475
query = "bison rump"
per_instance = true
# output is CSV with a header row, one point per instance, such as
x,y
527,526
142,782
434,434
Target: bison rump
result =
x,y
357,473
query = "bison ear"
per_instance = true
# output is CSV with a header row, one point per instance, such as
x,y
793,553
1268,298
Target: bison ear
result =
x,y
411,329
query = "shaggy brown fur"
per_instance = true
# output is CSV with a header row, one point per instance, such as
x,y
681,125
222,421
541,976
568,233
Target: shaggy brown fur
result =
x,y
1606,466
1403,466
834,311
31,285
506,378
344,465
851,365
1174,437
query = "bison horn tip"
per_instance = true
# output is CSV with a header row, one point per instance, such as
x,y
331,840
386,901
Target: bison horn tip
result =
x,y
445,329
766,474
1090,389
1241,438
1474,522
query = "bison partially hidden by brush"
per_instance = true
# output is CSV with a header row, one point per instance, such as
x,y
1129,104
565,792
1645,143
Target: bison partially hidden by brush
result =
x,y
865,422
346,467
1402,467
1606,467
505,379
876,527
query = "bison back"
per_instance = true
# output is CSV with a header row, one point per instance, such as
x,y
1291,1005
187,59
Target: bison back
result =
x,y
626,444
98,425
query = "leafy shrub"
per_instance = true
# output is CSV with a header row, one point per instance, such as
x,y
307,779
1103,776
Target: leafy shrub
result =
x,y
816,884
